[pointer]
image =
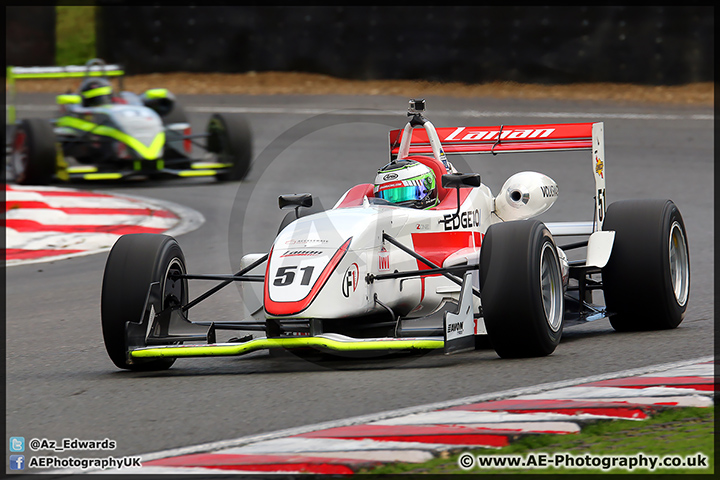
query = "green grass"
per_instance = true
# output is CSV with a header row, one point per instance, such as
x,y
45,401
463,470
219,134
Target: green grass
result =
x,y
677,432
74,35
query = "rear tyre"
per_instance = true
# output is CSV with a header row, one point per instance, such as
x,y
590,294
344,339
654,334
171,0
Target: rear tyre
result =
x,y
230,138
646,282
136,261
34,154
521,289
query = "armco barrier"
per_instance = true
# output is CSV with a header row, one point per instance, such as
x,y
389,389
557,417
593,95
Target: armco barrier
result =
x,y
530,44
30,35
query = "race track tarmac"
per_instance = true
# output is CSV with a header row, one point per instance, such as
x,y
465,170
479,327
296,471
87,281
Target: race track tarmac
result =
x,y
61,384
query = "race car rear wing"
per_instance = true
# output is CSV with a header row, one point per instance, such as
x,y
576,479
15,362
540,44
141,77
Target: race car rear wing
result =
x,y
93,68
506,139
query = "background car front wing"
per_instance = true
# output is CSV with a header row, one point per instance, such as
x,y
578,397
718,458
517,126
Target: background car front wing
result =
x,y
145,167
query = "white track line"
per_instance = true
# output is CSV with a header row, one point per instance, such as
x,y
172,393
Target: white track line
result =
x,y
496,419
395,113
461,113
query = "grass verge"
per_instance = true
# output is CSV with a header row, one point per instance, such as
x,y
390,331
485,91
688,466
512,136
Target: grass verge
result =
x,y
686,433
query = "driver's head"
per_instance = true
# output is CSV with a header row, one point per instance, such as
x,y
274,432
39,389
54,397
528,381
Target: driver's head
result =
x,y
407,183
96,91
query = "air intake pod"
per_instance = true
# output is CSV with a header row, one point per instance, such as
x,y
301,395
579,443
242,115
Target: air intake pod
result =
x,y
525,195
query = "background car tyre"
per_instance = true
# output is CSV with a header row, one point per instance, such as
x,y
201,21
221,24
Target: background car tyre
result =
x,y
134,262
646,282
521,289
230,138
34,154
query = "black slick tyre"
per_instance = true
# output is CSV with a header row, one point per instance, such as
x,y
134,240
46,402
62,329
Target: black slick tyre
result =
x,y
34,153
136,261
521,289
646,282
230,138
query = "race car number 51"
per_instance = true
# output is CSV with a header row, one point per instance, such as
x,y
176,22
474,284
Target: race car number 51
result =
x,y
286,275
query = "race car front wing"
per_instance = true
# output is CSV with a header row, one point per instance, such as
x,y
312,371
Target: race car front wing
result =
x,y
159,335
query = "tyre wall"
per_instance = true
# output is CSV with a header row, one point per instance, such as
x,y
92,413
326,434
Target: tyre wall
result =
x,y
647,45
30,36
638,44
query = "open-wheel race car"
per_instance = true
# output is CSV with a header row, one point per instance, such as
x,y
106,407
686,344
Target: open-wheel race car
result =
x,y
408,263
101,134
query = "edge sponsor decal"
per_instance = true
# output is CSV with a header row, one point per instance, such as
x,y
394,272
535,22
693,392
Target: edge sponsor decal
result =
x,y
390,176
383,259
468,219
301,253
599,167
350,280
549,190
386,186
455,327
304,242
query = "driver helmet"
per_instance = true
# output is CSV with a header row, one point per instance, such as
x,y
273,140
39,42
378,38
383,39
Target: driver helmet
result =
x,y
96,91
406,183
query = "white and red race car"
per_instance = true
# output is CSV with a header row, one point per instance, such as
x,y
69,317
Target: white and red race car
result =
x,y
370,277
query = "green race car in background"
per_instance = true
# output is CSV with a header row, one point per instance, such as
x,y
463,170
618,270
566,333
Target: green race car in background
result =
x,y
101,135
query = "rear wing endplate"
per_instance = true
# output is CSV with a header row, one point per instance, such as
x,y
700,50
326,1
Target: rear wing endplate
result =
x,y
93,68
512,139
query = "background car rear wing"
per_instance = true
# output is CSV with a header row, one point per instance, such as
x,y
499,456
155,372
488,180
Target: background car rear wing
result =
x,y
93,68
510,139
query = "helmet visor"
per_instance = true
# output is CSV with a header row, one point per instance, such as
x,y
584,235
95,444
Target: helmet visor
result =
x,y
403,193
413,190
96,92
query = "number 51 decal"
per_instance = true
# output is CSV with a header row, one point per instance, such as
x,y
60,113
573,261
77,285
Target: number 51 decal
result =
x,y
286,276
600,206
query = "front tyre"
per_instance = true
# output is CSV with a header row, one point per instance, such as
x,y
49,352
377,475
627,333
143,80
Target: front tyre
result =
x,y
230,137
646,282
136,261
521,289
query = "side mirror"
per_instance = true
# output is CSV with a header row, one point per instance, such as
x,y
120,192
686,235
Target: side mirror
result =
x,y
295,200
457,181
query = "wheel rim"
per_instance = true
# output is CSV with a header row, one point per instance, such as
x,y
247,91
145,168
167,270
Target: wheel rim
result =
x,y
174,289
219,133
679,264
551,287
